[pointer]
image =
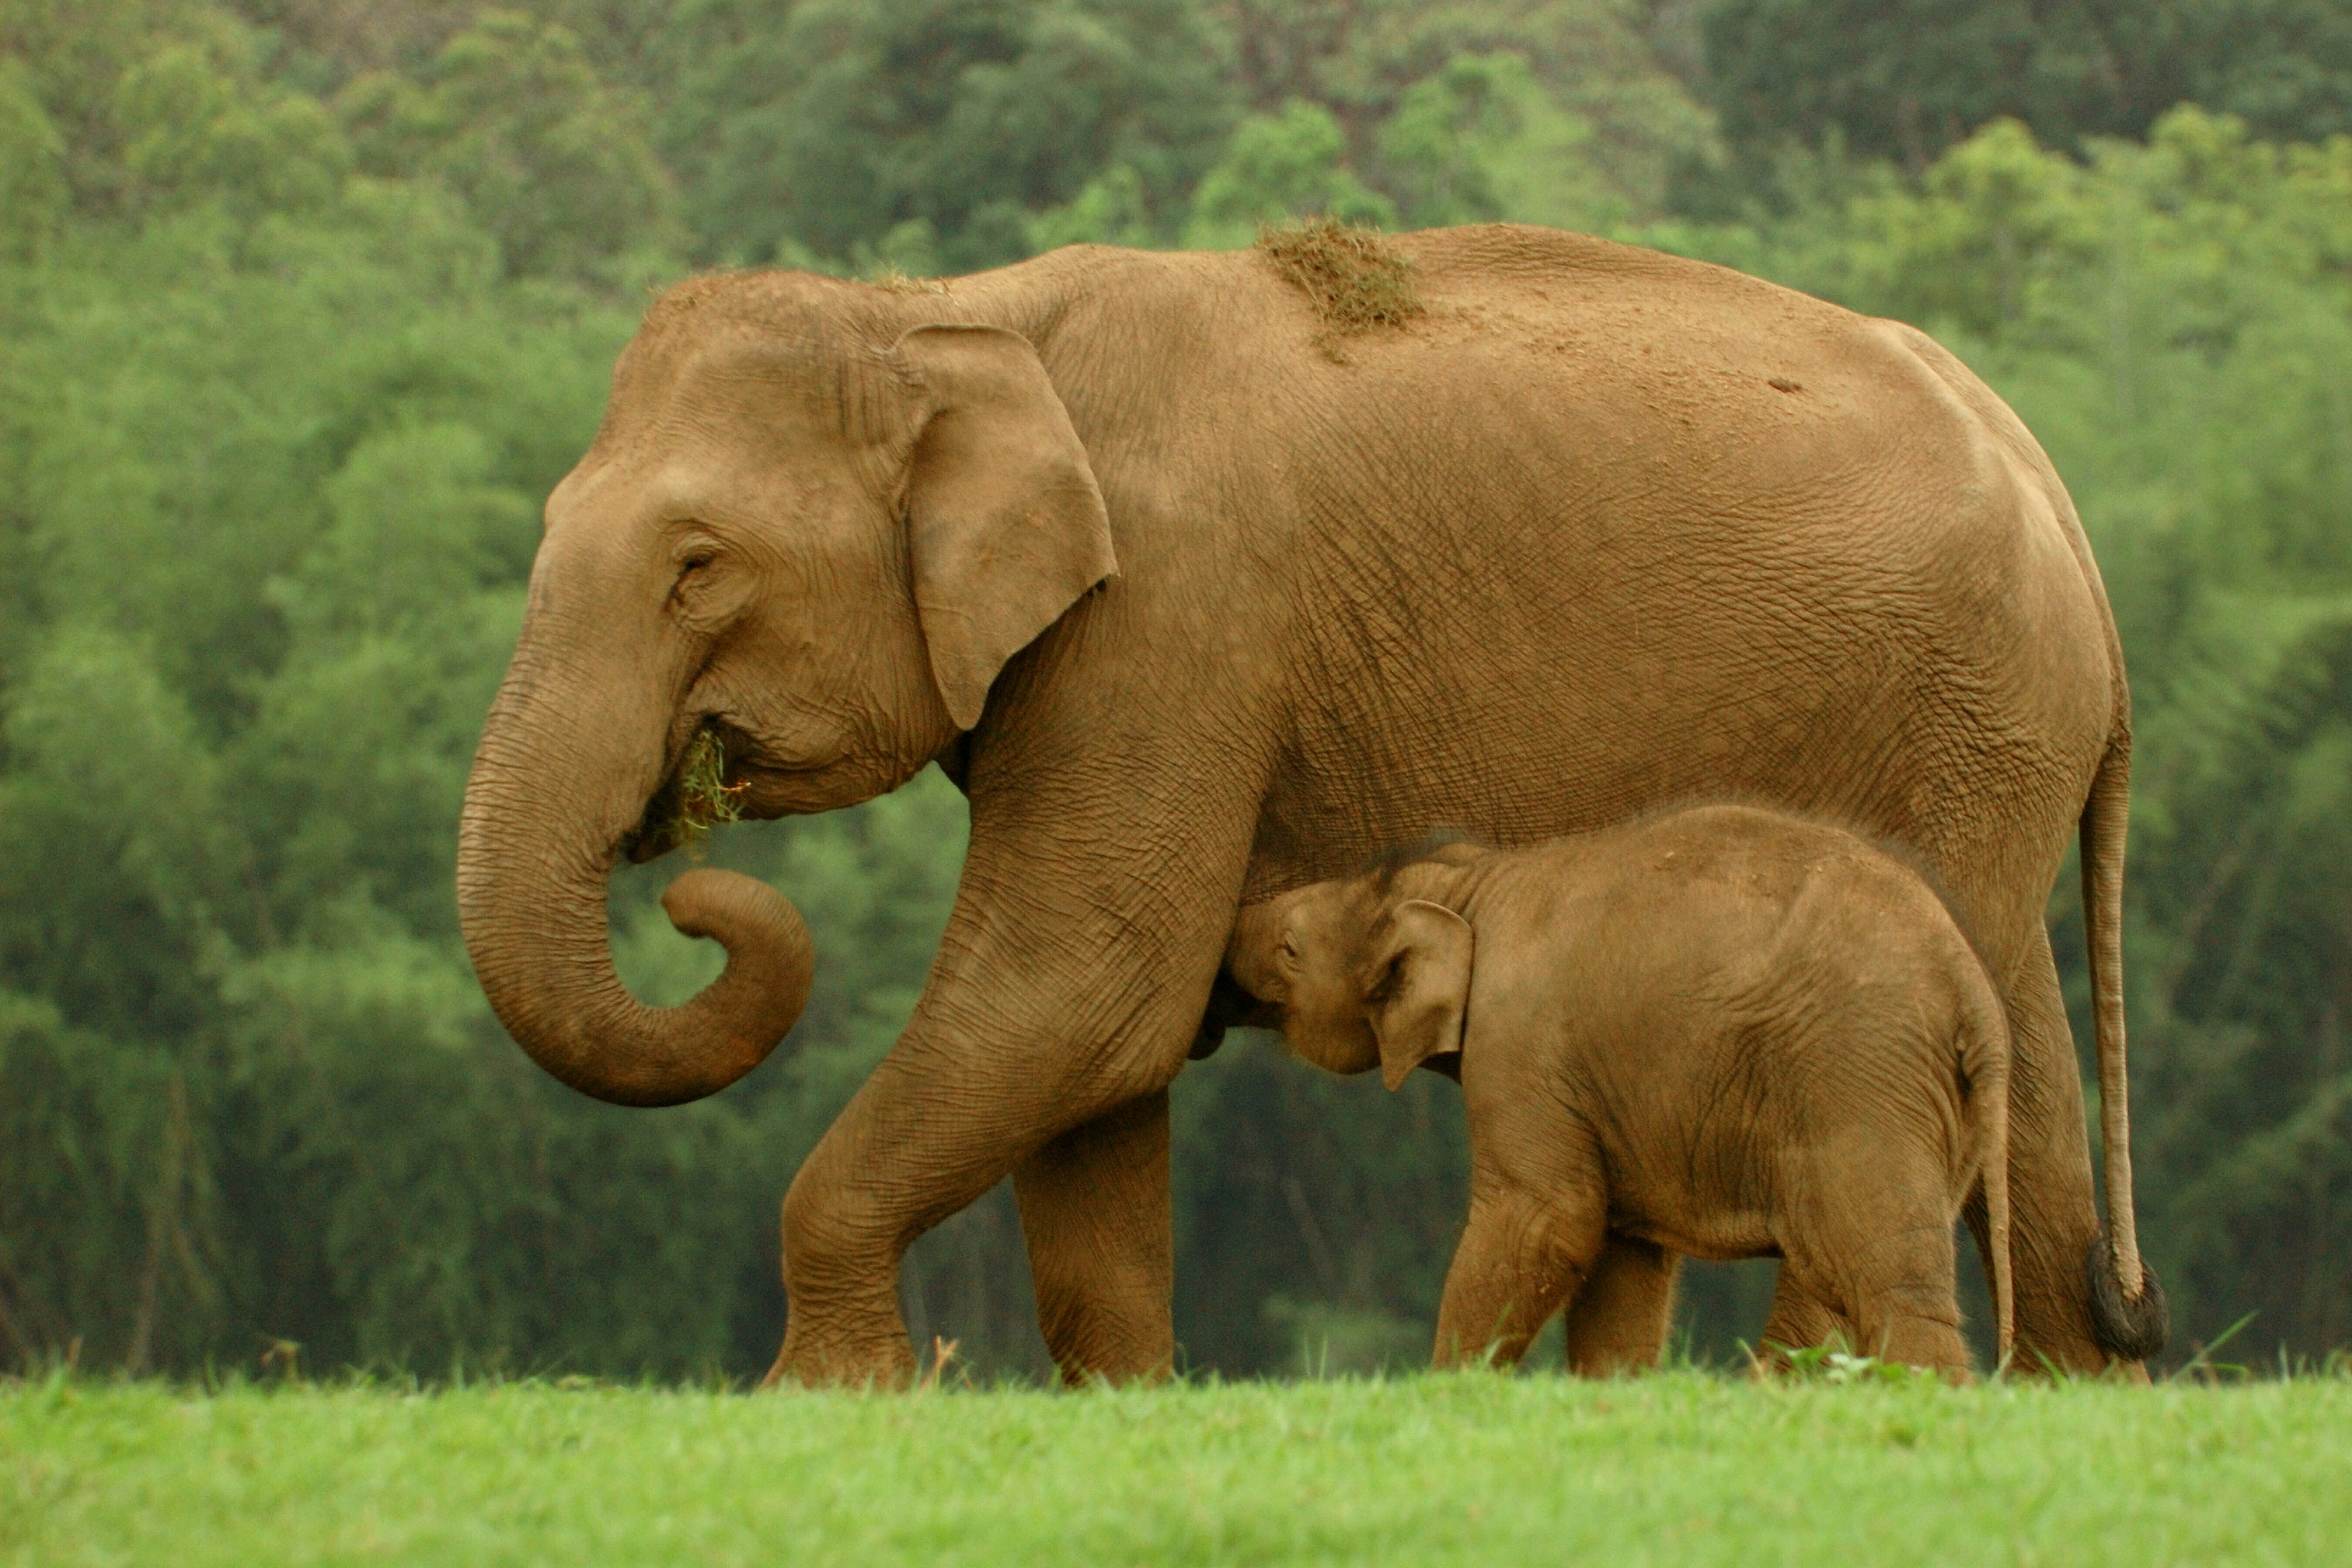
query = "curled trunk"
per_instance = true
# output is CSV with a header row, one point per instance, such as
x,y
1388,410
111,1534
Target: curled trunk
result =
x,y
545,818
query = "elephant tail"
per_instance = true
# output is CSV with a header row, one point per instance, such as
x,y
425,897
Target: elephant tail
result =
x,y
2129,1314
1984,1061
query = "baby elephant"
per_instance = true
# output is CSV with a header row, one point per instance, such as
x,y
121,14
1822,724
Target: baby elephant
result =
x,y
1721,1032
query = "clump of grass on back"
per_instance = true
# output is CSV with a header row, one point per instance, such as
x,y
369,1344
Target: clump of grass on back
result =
x,y
1353,278
892,278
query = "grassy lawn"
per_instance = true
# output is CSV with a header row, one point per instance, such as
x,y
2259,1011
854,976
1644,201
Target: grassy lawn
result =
x,y
1681,1468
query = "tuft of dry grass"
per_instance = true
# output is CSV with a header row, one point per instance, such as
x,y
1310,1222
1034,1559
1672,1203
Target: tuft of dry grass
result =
x,y
891,279
1354,280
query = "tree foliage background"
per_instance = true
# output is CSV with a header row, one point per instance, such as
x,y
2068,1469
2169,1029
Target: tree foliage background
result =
x,y
305,305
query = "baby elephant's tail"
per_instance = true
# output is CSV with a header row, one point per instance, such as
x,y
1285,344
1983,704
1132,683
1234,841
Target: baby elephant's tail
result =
x,y
1984,1061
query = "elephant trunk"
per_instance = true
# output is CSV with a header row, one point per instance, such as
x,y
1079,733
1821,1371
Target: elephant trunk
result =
x,y
547,810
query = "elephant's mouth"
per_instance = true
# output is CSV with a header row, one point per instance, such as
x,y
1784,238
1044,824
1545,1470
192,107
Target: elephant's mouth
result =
x,y
1230,1007
705,787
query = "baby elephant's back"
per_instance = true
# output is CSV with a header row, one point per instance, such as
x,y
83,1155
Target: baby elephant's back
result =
x,y
1788,939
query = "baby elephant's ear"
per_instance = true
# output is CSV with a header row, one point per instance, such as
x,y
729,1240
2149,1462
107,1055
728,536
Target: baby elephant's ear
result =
x,y
1420,986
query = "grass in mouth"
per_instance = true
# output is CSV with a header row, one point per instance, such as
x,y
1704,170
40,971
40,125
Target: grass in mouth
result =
x,y
697,797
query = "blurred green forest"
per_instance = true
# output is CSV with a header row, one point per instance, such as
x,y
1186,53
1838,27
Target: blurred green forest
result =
x,y
306,304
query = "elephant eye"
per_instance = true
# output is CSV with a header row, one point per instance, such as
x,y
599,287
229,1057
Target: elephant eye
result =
x,y
689,569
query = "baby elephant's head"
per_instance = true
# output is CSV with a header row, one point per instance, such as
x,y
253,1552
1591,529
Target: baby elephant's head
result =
x,y
1360,974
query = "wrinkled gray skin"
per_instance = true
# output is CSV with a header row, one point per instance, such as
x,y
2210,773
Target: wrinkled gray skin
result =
x,y
1720,1032
1200,597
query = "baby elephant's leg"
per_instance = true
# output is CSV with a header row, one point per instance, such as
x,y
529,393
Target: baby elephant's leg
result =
x,y
1520,1262
1535,1227
1875,1241
1618,1321
1800,1320
1906,1309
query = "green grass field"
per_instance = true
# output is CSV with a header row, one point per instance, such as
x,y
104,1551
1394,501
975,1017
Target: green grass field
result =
x,y
1683,1468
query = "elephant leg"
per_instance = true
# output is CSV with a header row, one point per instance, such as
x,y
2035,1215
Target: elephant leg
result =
x,y
1910,1315
1539,1220
1895,1303
1618,1321
1867,1230
1873,1241
933,1129
1059,1010
1095,1211
842,1322
2053,1219
1800,1319
1520,1261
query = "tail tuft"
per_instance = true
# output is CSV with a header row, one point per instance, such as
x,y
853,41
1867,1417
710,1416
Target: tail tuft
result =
x,y
2130,1328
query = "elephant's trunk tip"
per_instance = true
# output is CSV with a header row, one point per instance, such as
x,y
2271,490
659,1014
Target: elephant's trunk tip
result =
x,y
770,962
587,1031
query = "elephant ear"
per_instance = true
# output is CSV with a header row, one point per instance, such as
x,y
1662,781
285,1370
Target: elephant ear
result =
x,y
1006,523
1417,991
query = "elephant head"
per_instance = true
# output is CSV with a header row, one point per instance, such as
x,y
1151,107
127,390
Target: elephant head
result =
x,y
1358,975
815,529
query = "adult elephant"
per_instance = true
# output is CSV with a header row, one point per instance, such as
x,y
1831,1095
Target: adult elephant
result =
x,y
1208,576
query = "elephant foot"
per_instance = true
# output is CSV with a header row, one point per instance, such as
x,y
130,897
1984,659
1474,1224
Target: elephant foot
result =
x,y
1104,1348
819,1359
